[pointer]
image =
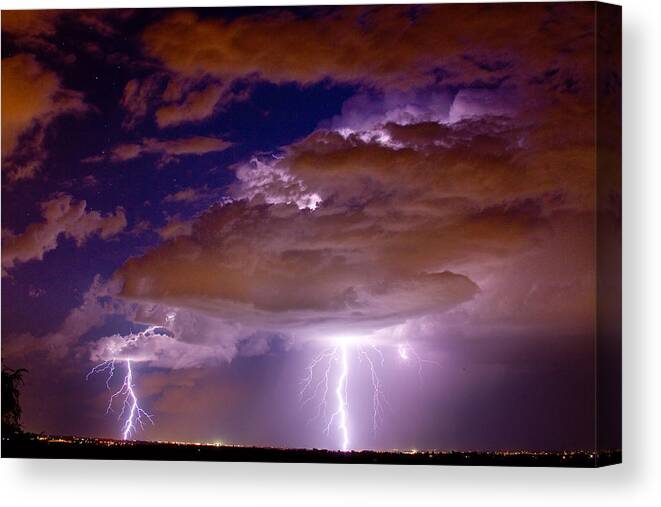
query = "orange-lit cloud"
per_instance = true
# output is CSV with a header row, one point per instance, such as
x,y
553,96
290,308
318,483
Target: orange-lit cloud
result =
x,y
137,97
32,97
175,227
192,195
168,149
197,106
62,217
450,191
31,23
410,221
396,46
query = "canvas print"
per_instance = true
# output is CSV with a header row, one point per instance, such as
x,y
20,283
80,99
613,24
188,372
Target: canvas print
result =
x,y
345,234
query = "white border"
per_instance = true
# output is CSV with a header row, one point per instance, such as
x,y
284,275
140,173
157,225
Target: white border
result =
x,y
636,482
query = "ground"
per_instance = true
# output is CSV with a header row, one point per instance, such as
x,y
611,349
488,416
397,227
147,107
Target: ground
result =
x,y
52,447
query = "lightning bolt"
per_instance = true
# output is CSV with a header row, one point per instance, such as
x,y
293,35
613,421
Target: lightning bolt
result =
x,y
341,395
408,353
333,363
328,357
135,415
378,396
318,390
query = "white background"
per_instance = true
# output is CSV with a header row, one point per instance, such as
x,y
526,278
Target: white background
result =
x,y
636,482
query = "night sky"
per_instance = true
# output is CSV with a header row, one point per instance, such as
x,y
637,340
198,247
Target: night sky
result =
x,y
222,195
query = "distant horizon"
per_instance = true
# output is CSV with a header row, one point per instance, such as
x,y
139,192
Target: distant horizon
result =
x,y
248,445
90,448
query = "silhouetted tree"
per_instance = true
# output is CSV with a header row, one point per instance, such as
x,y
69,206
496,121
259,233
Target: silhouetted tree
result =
x,y
11,403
